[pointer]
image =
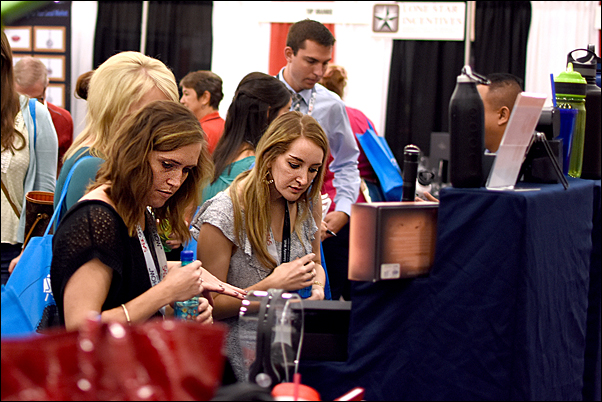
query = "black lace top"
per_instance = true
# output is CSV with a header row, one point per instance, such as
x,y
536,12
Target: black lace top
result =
x,y
93,229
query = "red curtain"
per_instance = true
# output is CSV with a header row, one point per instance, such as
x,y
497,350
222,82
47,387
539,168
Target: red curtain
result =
x,y
278,43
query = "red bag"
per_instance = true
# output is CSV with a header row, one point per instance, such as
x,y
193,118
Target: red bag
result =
x,y
156,360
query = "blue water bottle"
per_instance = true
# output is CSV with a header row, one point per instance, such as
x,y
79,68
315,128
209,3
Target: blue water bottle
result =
x,y
188,309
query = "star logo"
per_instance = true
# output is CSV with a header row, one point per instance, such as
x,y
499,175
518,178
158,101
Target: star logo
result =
x,y
386,18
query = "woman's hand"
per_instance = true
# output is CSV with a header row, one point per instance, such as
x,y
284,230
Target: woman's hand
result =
x,y
317,292
427,197
173,242
205,312
210,283
296,274
13,262
183,282
192,279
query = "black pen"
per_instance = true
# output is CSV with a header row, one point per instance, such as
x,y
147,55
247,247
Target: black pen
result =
x,y
330,232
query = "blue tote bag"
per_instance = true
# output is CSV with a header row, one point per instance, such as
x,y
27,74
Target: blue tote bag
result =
x,y
383,162
29,284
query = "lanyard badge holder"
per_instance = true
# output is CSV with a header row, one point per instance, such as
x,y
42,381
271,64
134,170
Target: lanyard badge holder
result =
x,y
271,336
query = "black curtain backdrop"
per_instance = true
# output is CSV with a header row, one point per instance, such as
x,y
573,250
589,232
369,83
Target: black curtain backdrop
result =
x,y
422,79
423,73
117,29
180,35
501,33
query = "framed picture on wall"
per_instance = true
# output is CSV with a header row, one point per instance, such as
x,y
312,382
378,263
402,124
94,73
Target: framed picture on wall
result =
x,y
55,94
19,38
55,66
49,39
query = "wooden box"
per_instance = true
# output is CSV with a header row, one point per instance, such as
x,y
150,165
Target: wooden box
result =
x,y
391,240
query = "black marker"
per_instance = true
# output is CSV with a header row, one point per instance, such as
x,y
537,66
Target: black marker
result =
x,y
330,232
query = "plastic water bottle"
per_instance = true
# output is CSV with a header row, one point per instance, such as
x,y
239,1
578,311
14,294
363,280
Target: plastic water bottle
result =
x,y
571,88
586,66
467,131
189,309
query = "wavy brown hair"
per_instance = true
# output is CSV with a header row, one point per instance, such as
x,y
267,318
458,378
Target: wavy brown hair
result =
x,y
10,100
162,126
254,196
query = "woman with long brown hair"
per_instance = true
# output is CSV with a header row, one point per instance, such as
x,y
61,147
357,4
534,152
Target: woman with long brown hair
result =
x,y
107,256
29,156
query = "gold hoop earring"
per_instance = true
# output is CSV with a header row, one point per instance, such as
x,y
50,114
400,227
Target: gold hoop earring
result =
x,y
266,181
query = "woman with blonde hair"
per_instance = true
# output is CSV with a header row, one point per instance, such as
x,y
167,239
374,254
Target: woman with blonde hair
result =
x,y
120,86
107,257
262,232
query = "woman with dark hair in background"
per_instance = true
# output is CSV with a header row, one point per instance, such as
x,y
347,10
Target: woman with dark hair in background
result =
x,y
258,100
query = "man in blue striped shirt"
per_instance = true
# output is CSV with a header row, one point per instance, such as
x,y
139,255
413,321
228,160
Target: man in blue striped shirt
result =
x,y
308,50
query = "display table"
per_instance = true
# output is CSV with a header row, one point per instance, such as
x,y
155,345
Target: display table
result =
x,y
501,316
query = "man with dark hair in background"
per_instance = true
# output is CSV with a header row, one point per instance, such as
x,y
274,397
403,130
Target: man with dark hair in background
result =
x,y
498,101
202,94
308,51
31,79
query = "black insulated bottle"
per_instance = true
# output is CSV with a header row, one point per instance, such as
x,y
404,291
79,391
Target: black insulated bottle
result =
x,y
411,155
466,131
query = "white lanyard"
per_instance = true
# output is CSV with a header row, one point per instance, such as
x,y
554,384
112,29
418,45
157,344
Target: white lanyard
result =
x,y
312,100
155,275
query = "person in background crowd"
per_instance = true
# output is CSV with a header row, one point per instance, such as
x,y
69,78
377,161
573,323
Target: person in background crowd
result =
x,y
105,255
29,159
498,101
308,51
258,100
335,80
82,85
202,93
262,232
31,79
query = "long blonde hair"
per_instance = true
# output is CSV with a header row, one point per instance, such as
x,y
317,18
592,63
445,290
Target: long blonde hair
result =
x,y
253,196
120,82
162,126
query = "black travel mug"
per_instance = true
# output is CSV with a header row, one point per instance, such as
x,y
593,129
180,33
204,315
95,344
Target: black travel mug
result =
x,y
411,155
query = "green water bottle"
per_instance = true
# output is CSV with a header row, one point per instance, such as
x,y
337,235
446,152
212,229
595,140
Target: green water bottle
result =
x,y
571,88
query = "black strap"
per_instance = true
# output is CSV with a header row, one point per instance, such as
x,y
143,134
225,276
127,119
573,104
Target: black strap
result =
x,y
285,254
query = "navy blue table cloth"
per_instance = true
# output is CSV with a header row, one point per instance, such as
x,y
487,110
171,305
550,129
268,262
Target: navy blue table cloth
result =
x,y
501,316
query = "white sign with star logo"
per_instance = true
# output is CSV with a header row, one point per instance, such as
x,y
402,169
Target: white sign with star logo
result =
x,y
419,20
